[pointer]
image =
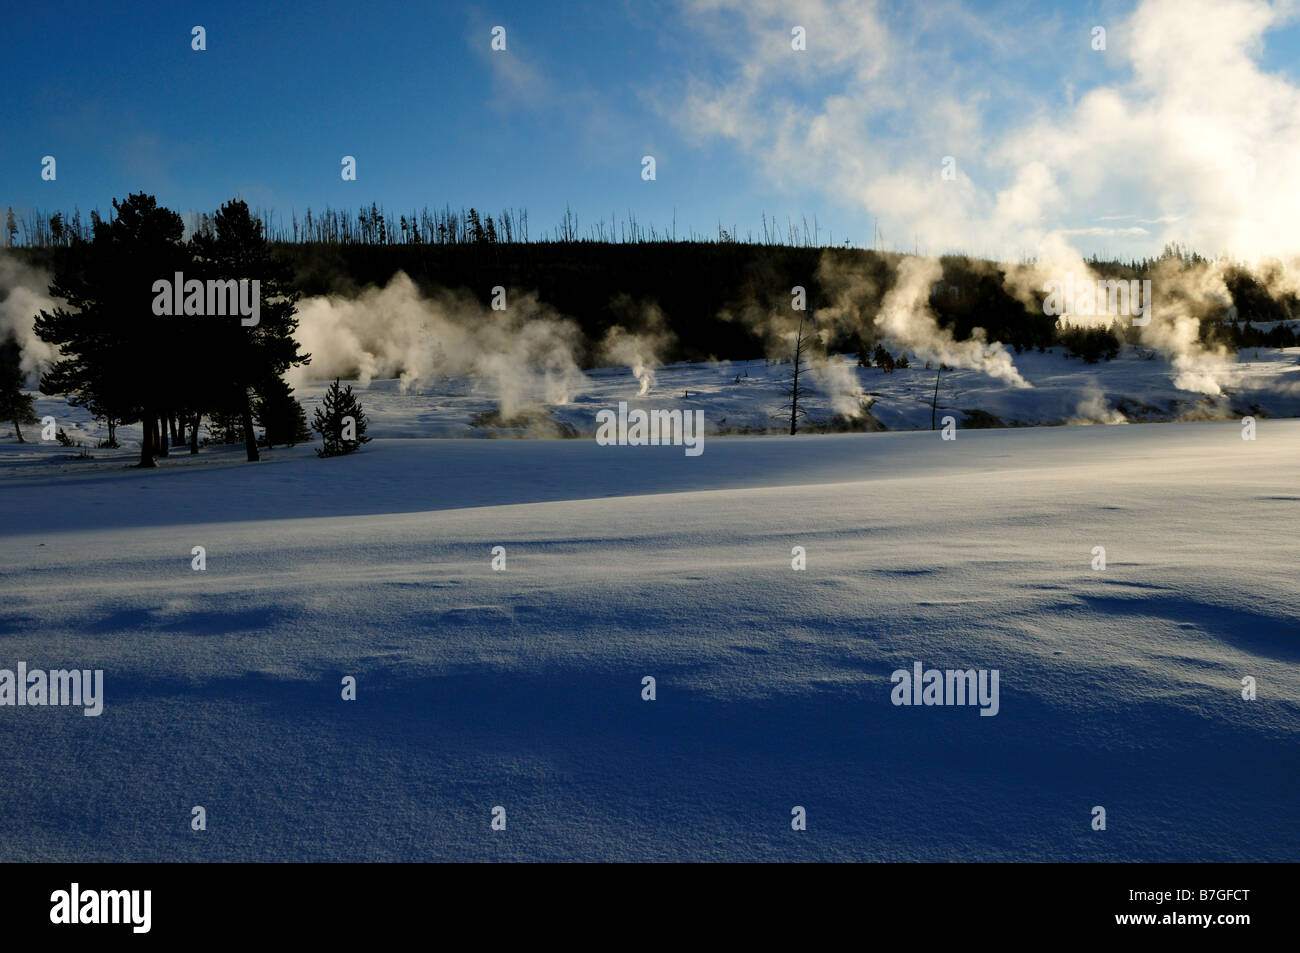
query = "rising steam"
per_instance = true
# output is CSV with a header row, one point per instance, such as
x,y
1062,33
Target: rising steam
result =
x,y
1181,132
905,319
521,357
642,348
24,292
524,355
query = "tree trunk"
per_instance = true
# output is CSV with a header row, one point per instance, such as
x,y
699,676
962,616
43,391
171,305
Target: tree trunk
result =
x,y
146,440
178,433
194,434
160,423
794,387
934,404
18,432
250,438
112,432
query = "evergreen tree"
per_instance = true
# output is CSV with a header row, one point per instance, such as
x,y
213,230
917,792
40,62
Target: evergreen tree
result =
x,y
281,415
330,423
240,358
224,427
15,406
117,356
474,226
1093,344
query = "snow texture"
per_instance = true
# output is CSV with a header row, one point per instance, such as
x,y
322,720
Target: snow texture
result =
x,y
1120,687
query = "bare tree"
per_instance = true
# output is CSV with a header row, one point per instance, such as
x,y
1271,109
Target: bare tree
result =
x,y
934,401
794,389
952,393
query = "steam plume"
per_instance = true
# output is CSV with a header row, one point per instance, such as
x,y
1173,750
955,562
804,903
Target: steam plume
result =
x,y
24,292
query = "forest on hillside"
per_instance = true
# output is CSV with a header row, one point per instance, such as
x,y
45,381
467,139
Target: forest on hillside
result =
x,y
709,299
698,283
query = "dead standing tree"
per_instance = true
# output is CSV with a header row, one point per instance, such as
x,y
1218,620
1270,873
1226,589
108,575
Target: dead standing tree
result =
x,y
795,389
934,402
952,392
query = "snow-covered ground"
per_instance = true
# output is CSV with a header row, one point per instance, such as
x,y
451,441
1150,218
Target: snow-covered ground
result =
x,y
742,397
1119,687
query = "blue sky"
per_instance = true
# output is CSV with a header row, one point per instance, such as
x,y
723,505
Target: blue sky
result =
x,y
563,116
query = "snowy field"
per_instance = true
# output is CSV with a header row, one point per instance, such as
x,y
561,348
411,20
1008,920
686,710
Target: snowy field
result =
x,y
741,397
1119,687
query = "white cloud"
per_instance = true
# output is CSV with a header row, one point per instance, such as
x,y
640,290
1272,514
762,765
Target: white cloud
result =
x,y
1188,134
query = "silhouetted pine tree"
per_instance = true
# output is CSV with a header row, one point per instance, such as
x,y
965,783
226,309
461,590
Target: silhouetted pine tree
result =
x,y
338,404
118,357
15,406
239,357
224,427
281,415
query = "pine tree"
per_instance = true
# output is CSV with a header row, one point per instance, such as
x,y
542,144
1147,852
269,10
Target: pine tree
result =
x,y
473,226
332,424
240,359
15,406
224,427
280,414
117,356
